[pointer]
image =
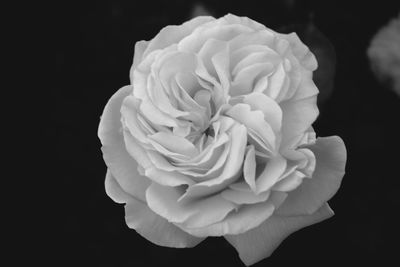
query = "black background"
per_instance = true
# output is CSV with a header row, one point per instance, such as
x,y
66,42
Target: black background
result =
x,y
94,45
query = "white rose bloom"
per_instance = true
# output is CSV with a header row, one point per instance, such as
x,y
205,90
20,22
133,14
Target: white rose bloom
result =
x,y
213,138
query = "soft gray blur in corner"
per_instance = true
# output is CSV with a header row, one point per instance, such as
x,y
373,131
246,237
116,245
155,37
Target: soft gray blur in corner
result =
x,y
384,54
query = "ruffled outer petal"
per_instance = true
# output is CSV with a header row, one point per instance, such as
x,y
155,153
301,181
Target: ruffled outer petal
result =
x,y
330,154
114,190
163,200
155,228
233,19
122,166
298,116
237,222
174,33
140,47
260,242
151,226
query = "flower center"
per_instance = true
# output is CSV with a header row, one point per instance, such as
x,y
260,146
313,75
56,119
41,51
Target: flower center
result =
x,y
209,131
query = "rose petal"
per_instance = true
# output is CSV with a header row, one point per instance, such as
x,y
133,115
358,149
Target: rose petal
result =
x,y
264,37
261,147
297,117
180,86
259,243
301,51
175,144
310,162
167,178
246,218
209,156
202,98
135,150
242,52
276,83
140,47
330,154
307,138
215,171
155,228
240,186
231,169
289,183
221,64
273,170
210,48
174,33
233,19
264,56
159,161
188,84
272,111
199,213
255,121
249,168
161,100
245,80
154,115
282,46
122,166
306,87
196,40
131,120
114,190
150,106
244,197
170,66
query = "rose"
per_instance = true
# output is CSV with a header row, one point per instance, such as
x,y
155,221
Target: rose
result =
x,y
213,138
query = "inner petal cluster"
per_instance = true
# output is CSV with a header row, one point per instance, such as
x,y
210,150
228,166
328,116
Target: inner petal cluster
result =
x,y
207,113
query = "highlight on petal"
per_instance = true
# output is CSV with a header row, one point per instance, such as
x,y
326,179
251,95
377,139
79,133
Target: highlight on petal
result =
x,y
259,243
156,229
121,165
249,167
330,154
